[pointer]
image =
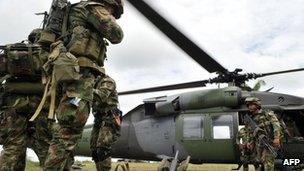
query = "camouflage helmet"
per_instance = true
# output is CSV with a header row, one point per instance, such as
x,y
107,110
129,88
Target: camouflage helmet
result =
x,y
117,4
34,34
254,100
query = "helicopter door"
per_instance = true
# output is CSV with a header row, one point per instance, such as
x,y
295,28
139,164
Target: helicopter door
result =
x,y
209,137
221,131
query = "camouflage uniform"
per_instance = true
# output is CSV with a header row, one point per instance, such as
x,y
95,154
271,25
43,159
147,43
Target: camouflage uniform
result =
x,y
17,133
271,127
89,23
247,155
107,122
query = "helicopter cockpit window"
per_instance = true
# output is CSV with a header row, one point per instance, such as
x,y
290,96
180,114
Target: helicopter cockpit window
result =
x,y
192,127
222,127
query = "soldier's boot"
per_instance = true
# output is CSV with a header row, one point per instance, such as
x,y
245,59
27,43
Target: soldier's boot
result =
x,y
69,163
246,167
104,165
256,167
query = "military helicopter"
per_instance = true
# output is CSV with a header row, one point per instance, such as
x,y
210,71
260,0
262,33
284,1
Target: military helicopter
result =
x,y
201,124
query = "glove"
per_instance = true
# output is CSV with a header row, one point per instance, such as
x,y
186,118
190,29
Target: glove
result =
x,y
276,142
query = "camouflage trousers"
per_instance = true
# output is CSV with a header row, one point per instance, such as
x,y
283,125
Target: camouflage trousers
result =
x,y
18,133
267,159
71,115
104,134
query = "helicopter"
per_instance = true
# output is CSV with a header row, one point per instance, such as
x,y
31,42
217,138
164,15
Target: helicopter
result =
x,y
203,123
167,124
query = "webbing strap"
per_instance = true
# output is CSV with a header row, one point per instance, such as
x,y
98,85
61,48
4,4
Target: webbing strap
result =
x,y
53,97
64,29
39,108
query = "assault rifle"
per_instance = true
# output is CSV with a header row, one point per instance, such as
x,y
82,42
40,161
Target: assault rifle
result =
x,y
262,137
45,18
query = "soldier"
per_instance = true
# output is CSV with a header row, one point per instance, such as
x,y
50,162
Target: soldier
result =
x,y
291,127
245,142
22,94
107,122
270,126
76,61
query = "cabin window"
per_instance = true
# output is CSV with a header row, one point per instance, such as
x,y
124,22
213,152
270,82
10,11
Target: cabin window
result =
x,y
222,127
193,127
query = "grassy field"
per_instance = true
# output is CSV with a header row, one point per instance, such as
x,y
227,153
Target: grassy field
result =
x,y
88,166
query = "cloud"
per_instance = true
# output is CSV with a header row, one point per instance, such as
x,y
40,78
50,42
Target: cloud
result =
x,y
257,36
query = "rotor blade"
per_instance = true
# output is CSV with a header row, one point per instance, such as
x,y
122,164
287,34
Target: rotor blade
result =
x,y
167,87
178,38
281,72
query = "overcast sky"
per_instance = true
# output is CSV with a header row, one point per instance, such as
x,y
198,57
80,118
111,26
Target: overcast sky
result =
x,y
255,35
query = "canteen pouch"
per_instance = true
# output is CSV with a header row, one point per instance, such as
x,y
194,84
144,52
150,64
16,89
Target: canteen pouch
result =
x,y
46,37
66,68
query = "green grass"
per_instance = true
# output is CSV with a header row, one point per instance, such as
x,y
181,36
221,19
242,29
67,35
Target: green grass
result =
x,y
32,166
88,166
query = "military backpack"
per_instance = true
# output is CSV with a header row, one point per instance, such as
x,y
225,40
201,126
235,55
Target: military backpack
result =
x,y
20,60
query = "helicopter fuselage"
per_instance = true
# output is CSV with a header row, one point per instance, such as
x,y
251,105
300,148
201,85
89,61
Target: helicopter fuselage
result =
x,y
201,124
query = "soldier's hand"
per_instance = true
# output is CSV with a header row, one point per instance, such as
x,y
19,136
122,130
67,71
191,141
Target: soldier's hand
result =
x,y
241,146
249,146
113,19
276,142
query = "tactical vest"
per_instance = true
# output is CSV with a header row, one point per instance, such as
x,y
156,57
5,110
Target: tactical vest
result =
x,y
264,121
84,40
81,39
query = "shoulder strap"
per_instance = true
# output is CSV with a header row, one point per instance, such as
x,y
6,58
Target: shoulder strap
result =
x,y
64,29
